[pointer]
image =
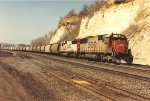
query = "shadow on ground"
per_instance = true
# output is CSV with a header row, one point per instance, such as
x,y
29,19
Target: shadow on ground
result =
x,y
5,54
32,85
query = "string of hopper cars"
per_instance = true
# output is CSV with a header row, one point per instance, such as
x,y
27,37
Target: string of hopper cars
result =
x,y
104,48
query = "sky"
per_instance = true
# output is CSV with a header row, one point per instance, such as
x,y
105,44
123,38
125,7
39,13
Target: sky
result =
x,y
22,21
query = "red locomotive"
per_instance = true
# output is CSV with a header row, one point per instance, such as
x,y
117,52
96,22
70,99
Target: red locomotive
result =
x,y
119,45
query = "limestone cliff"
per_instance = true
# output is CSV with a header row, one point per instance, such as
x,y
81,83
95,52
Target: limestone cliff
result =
x,y
68,29
131,18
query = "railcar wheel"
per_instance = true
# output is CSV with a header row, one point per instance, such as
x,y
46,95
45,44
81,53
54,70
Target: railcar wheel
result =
x,y
103,59
98,58
116,60
77,55
110,61
129,60
68,55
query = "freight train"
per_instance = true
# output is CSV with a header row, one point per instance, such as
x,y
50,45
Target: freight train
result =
x,y
104,48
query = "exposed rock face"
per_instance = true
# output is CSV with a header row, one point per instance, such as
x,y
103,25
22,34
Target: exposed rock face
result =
x,y
131,18
139,34
68,29
115,19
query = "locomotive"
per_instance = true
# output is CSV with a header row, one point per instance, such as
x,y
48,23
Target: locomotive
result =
x,y
104,48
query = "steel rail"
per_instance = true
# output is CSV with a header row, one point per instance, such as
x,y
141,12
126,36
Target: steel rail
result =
x,y
100,68
96,82
87,89
133,95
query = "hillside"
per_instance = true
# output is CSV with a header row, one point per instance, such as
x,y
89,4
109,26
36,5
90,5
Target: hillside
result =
x,y
68,29
131,18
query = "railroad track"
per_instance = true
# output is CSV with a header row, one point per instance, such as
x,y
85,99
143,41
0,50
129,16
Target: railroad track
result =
x,y
105,68
93,82
103,91
93,87
85,88
135,67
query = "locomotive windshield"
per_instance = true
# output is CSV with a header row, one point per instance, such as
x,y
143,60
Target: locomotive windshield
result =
x,y
119,37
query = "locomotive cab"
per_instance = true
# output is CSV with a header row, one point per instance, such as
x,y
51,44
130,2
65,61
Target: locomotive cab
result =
x,y
118,43
119,46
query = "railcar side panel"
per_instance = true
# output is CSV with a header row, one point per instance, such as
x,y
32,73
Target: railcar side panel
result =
x,y
34,48
43,48
38,48
30,49
55,48
47,48
27,48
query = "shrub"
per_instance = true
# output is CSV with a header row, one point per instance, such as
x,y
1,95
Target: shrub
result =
x,y
119,1
92,8
71,13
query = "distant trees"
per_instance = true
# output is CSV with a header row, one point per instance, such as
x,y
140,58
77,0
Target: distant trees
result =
x,y
84,10
42,40
92,8
61,18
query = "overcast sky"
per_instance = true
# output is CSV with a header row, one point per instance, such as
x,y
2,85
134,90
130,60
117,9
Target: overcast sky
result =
x,y
21,21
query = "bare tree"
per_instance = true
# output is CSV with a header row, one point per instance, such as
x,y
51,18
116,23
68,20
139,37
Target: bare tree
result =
x,y
61,18
84,10
92,8
71,13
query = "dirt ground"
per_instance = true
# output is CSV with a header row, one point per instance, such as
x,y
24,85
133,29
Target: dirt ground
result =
x,y
10,88
23,79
